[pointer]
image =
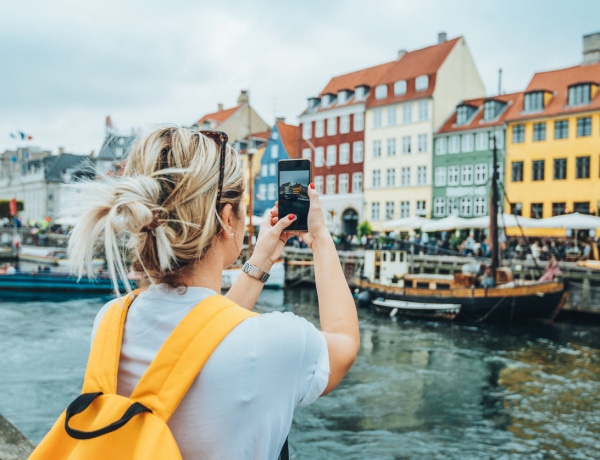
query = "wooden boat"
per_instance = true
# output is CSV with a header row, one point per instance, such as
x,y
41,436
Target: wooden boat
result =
x,y
275,281
387,274
447,311
50,256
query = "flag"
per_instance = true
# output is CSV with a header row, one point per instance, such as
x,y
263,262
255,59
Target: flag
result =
x,y
25,136
13,135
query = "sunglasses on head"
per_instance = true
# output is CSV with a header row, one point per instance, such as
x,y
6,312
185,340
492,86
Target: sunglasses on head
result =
x,y
219,138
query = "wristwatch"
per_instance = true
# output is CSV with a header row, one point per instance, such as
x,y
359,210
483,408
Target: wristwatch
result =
x,y
255,272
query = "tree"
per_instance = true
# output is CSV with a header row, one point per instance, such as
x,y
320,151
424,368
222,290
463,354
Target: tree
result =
x,y
364,229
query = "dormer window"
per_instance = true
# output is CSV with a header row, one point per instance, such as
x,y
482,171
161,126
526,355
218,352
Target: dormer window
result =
x,y
534,101
342,97
328,100
313,103
580,94
400,88
381,92
360,93
463,114
422,83
491,109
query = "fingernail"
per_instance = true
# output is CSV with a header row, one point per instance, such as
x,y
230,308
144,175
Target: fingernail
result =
x,y
292,216
312,185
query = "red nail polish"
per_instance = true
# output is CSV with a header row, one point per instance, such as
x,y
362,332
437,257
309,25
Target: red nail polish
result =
x,y
292,216
312,185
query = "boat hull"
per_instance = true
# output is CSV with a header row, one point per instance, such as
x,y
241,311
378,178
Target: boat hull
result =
x,y
436,311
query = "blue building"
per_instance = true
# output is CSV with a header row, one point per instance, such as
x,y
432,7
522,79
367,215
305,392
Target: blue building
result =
x,y
282,145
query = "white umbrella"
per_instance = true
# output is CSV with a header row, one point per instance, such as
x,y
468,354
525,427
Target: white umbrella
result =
x,y
447,223
504,220
575,221
405,223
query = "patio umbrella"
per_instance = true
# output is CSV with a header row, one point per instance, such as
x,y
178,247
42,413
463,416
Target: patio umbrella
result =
x,y
447,223
504,220
405,223
576,221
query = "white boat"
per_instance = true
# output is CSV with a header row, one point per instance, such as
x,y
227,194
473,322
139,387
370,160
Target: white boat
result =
x,y
276,279
50,256
420,309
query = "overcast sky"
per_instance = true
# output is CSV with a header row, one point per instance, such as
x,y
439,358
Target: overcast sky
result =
x,y
67,64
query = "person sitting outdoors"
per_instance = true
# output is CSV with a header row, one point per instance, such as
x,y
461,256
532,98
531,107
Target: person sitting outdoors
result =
x,y
552,270
487,280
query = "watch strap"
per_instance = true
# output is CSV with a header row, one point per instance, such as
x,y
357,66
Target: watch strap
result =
x,y
255,272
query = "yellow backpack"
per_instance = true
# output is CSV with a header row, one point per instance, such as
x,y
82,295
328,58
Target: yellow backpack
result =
x,y
100,424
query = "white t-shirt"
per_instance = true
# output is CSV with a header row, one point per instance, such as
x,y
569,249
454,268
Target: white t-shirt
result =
x,y
242,403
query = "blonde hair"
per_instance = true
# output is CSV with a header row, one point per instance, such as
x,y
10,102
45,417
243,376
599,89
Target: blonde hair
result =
x,y
162,213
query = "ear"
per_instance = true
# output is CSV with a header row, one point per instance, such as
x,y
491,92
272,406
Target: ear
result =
x,y
229,219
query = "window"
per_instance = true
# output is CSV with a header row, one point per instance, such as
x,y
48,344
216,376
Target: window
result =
x,y
306,130
467,143
423,110
539,132
319,156
406,113
306,153
439,205
376,149
584,127
481,176
357,152
463,114
422,142
391,177
405,176
319,128
345,124
405,145
516,209
579,94
319,184
400,88
537,210
262,192
421,175
481,141
453,175
391,147
274,151
389,210
453,206
421,83
359,122
377,114
582,207
331,155
391,116
561,129
480,206
375,210
454,144
273,169
327,100
272,191
344,154
357,182
440,176
560,168
466,175
421,208
342,97
360,93
376,179
343,184
518,134
558,209
330,184
582,168
517,171
404,209
264,170
381,92
440,146
537,170
465,206
534,101
491,110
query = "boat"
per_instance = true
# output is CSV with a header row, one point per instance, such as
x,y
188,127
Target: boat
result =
x,y
276,279
387,275
50,256
447,311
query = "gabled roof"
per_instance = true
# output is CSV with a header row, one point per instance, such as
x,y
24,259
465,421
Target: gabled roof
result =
x,y
511,100
289,138
558,82
59,164
115,147
219,116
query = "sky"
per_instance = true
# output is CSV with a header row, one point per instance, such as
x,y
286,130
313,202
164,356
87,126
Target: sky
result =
x,y
67,64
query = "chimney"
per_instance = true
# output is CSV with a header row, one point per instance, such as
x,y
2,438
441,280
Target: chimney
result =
x,y
243,99
442,37
591,48
219,107
280,119
401,53
61,150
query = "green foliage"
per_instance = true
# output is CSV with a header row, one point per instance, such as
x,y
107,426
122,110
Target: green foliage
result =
x,y
364,229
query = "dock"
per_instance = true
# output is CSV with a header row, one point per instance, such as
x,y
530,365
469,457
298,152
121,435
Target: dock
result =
x,y
14,445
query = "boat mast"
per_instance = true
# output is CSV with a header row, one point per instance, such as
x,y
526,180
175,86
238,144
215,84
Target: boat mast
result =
x,y
495,250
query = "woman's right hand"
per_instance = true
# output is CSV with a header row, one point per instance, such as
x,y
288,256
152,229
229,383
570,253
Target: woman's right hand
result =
x,y
316,220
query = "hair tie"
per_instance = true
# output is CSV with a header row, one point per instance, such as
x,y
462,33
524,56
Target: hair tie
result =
x,y
156,222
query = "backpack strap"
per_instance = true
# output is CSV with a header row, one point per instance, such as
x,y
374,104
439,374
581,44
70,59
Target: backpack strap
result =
x,y
103,362
184,353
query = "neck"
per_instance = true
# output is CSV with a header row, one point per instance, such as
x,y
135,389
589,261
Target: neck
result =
x,y
207,272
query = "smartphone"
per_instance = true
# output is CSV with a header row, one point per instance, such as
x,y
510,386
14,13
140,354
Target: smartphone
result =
x,y
294,177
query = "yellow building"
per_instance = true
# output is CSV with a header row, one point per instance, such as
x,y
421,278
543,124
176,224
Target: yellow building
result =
x,y
553,143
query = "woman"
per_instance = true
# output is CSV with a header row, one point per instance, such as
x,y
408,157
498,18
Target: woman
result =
x,y
179,208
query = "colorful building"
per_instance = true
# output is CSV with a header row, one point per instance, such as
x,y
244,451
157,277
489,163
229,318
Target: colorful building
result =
x,y
462,159
553,141
410,98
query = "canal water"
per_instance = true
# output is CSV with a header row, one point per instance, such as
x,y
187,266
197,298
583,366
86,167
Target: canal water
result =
x,y
419,390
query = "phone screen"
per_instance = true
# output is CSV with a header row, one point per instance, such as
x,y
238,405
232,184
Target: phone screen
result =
x,y
294,179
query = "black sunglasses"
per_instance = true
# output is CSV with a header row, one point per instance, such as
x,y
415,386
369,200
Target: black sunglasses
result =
x,y
219,138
